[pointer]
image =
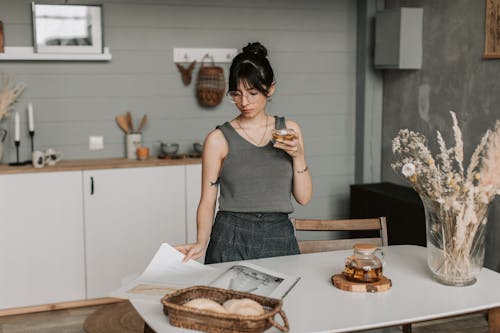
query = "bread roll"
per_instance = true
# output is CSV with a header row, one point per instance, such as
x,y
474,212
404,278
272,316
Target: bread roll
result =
x,y
244,307
205,304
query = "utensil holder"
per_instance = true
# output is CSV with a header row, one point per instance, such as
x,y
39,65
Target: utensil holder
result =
x,y
134,141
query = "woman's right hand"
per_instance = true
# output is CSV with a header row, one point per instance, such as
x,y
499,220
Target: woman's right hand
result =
x,y
191,251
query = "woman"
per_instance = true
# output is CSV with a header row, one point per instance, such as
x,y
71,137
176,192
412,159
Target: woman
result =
x,y
255,175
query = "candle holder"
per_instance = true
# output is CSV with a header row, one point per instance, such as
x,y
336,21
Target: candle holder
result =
x,y
17,163
32,137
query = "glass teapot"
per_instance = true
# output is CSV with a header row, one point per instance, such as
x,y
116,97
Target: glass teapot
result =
x,y
364,265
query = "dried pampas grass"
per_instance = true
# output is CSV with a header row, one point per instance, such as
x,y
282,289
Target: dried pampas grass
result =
x,y
9,95
445,178
489,180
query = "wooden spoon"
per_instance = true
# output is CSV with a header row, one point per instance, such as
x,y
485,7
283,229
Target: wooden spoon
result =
x,y
122,123
143,122
129,122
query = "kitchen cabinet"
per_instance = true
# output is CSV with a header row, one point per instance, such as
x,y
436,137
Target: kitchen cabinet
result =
x,y
128,214
69,235
41,239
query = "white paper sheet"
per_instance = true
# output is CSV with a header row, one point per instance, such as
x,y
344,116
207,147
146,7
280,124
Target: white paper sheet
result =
x,y
165,274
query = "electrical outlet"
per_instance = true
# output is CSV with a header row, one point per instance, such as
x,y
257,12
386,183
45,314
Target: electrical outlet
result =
x,y
96,143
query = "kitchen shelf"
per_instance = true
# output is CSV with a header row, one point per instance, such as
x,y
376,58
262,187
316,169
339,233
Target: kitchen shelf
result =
x,y
97,164
27,53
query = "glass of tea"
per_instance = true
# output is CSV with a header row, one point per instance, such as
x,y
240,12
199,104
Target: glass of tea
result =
x,y
364,265
283,134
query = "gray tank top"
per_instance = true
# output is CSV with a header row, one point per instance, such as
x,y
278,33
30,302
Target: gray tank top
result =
x,y
255,179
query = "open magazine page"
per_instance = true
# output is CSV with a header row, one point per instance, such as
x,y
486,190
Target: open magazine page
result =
x,y
247,277
166,273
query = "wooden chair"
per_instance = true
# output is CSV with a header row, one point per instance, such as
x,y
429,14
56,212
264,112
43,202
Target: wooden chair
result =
x,y
311,246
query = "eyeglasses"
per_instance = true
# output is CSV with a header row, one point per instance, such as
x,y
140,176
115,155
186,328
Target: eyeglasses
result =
x,y
237,97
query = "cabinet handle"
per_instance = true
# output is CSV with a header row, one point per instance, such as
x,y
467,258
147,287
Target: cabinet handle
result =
x,y
91,185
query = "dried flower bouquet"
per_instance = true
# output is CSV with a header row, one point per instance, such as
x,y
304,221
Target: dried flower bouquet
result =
x,y
456,199
9,95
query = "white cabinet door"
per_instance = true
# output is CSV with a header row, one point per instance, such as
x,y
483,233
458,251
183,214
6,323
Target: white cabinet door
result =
x,y
128,214
41,238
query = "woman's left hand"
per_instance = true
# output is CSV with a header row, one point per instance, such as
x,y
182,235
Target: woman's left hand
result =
x,y
291,147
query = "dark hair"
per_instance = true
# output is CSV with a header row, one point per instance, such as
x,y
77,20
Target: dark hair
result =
x,y
252,67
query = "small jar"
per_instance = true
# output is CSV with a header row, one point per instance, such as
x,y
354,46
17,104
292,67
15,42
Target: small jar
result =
x,y
364,265
142,153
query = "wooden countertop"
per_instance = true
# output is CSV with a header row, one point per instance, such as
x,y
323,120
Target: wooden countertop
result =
x,y
95,164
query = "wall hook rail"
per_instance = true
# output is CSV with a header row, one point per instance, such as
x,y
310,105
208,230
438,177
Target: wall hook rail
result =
x,y
196,54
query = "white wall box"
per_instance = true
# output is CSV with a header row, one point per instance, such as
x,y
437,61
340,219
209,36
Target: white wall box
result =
x,y
128,214
41,239
398,39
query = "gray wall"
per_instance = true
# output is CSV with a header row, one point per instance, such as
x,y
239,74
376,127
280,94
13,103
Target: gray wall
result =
x,y
453,77
312,47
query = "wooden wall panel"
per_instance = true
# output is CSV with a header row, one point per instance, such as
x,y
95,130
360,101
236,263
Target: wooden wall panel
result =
x,y
312,46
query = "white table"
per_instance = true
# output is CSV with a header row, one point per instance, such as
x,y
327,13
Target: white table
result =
x,y
315,305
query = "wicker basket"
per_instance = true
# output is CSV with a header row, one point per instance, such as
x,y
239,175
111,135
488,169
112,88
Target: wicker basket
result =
x,y
210,85
212,322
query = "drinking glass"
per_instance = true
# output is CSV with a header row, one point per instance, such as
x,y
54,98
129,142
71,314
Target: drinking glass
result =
x,y
283,134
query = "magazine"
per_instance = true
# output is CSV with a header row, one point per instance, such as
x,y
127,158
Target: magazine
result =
x,y
247,277
166,273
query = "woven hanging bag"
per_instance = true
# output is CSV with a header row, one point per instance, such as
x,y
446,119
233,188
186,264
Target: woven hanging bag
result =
x,y
210,84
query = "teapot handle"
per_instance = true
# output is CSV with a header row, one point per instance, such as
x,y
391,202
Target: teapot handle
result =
x,y
3,134
380,254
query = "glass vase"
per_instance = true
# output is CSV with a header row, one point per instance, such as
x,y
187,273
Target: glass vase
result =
x,y
455,241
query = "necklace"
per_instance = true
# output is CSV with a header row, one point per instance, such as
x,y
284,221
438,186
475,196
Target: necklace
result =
x,y
257,143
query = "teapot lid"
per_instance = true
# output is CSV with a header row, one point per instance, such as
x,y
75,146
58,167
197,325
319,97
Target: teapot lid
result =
x,y
364,248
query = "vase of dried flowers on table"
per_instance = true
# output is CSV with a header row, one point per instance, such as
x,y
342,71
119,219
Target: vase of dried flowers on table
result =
x,y
8,96
455,199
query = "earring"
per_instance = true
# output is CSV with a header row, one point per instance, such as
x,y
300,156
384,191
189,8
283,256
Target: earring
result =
x,y
186,73
269,99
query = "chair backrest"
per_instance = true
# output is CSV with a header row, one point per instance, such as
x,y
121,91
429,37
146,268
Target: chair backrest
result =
x,y
310,246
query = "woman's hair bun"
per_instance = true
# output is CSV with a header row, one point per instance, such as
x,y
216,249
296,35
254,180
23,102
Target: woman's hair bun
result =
x,y
256,49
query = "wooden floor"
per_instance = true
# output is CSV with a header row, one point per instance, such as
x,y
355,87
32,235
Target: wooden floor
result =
x,y
473,323
60,321
477,323
71,321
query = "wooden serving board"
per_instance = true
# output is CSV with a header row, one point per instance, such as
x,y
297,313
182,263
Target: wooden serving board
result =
x,y
342,283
